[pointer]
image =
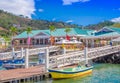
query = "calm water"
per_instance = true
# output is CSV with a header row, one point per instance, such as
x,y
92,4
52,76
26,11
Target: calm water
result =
x,y
102,73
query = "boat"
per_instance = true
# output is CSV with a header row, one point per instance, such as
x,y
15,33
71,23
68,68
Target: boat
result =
x,y
70,72
13,66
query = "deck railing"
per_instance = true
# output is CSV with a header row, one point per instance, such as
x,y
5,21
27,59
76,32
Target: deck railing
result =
x,y
34,51
75,57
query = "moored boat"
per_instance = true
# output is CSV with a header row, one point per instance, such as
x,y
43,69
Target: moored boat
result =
x,y
70,72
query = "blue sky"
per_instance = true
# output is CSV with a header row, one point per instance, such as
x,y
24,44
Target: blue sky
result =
x,y
82,12
89,12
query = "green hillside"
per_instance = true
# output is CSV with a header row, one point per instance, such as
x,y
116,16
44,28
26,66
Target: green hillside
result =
x,y
21,23
7,20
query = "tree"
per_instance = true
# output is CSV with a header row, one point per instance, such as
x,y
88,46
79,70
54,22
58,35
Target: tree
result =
x,y
116,25
67,30
52,29
13,31
28,31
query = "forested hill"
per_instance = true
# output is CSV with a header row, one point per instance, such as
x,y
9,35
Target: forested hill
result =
x,y
21,22
100,25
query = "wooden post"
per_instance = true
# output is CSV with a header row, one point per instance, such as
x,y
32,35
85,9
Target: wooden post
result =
x,y
46,59
86,55
92,43
21,52
86,41
64,50
13,52
26,58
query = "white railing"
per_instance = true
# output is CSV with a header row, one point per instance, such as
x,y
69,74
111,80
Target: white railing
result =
x,y
75,57
17,54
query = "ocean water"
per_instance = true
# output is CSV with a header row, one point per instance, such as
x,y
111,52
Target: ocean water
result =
x,y
1,68
102,73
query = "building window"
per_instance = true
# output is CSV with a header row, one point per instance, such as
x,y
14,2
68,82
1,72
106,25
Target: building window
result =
x,y
25,41
33,41
37,41
56,40
41,41
21,41
46,41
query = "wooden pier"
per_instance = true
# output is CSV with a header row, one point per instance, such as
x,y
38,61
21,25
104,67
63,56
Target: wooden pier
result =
x,y
79,56
23,75
39,72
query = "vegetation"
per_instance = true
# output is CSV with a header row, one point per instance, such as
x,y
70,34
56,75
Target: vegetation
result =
x,y
99,25
13,31
28,31
67,30
8,20
116,25
52,29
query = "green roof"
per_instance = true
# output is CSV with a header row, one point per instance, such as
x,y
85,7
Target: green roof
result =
x,y
34,32
57,32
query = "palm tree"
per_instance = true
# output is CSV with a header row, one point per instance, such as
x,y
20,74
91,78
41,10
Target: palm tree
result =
x,y
13,31
52,29
67,30
28,31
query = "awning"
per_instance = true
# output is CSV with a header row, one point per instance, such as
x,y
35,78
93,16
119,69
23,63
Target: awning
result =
x,y
68,42
116,40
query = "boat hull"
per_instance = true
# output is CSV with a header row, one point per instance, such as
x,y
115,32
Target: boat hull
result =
x,y
61,75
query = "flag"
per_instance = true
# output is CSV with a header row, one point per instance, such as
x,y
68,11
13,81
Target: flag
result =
x,y
28,41
68,37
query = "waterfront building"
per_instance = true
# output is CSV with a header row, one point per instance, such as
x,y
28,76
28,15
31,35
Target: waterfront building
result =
x,y
91,38
3,43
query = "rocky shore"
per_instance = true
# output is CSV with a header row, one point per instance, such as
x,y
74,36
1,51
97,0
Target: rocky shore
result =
x,y
113,58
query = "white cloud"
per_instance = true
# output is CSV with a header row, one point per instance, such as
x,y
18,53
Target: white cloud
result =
x,y
53,19
41,10
116,20
69,21
118,8
18,7
69,2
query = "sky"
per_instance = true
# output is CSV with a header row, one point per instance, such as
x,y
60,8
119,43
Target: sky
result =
x,y
81,12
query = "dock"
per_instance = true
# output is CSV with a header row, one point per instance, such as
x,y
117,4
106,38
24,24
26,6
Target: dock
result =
x,y
57,61
23,75
79,56
21,53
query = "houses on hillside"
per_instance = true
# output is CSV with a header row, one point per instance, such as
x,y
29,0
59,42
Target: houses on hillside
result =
x,y
3,43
